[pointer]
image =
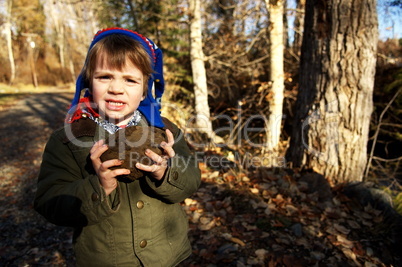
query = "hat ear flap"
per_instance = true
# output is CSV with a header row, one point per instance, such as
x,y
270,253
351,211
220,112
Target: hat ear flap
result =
x,y
158,76
150,106
79,85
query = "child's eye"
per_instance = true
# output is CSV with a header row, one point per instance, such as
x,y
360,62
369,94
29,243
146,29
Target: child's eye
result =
x,y
104,77
131,81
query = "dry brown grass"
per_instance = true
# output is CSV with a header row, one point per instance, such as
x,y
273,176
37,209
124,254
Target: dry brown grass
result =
x,y
10,94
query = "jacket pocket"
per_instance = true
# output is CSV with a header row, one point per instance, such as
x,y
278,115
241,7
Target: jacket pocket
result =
x,y
176,228
97,238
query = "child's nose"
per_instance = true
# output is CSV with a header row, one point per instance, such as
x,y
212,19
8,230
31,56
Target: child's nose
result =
x,y
116,87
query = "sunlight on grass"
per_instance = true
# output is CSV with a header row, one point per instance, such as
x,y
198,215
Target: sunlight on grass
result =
x,y
24,88
11,94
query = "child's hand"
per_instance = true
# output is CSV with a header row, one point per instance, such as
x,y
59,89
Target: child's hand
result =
x,y
160,165
107,177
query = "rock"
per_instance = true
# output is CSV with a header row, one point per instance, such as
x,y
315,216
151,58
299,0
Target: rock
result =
x,y
366,193
129,145
297,229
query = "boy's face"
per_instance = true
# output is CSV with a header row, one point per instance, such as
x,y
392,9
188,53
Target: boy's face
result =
x,y
117,93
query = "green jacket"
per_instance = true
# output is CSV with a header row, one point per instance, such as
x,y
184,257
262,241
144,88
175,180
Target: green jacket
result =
x,y
139,224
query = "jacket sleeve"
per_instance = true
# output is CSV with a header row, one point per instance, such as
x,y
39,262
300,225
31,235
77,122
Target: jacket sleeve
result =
x,y
64,197
183,176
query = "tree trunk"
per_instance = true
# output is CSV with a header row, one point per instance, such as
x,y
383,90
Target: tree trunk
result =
x,y
334,103
299,26
58,27
72,69
7,30
31,47
203,122
275,9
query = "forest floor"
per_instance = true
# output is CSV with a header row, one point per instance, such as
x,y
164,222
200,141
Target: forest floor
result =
x,y
259,217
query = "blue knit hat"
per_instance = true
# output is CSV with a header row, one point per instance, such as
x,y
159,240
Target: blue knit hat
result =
x,y
150,106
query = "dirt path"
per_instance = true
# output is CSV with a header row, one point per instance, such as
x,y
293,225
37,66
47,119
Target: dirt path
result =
x,y
26,239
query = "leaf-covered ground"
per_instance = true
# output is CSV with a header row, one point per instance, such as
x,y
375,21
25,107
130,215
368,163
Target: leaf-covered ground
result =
x,y
261,217
26,239
277,218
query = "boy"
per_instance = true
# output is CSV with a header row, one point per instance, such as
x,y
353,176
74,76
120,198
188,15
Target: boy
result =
x,y
118,222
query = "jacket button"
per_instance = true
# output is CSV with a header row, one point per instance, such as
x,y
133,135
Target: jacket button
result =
x,y
143,243
95,197
140,204
175,175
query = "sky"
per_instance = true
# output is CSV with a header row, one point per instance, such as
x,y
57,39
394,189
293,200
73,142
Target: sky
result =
x,y
389,21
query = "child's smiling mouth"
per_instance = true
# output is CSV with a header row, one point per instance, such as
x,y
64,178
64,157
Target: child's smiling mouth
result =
x,y
115,105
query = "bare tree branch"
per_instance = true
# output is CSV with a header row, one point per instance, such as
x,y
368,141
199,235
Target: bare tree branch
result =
x,y
378,130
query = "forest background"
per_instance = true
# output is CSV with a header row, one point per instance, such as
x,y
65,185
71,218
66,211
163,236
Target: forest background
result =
x,y
47,42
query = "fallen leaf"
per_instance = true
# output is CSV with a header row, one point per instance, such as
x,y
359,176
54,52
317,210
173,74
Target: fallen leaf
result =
x,y
345,242
341,229
238,241
353,224
349,253
254,190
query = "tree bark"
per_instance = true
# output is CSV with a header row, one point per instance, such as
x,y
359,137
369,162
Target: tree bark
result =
x,y
203,122
58,27
7,30
299,26
334,102
275,9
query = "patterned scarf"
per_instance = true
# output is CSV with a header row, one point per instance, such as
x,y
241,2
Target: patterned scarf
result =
x,y
111,127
